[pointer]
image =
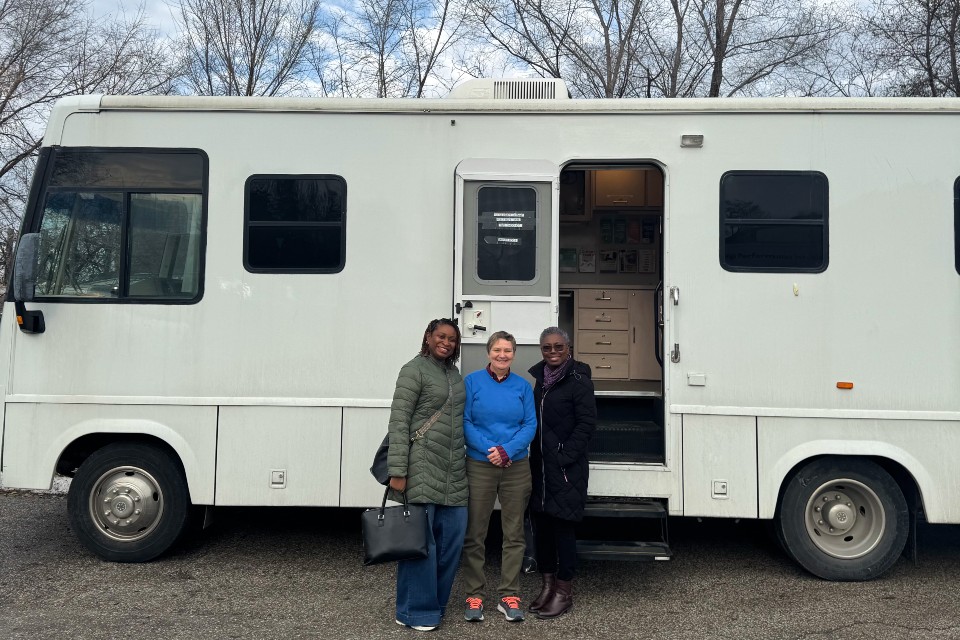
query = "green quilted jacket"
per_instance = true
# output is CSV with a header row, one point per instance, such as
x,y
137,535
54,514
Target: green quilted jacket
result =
x,y
435,465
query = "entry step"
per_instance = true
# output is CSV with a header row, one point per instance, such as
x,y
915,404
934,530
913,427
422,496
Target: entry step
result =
x,y
623,550
632,509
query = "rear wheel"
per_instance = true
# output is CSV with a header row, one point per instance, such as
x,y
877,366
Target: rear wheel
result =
x,y
843,519
129,502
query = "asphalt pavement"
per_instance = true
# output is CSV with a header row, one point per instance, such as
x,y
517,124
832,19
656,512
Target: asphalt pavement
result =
x,y
297,573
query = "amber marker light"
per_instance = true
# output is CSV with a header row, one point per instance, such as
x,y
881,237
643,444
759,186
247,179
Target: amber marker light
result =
x,y
844,385
20,320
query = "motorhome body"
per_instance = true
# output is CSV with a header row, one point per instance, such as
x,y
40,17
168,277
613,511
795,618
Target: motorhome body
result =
x,y
767,291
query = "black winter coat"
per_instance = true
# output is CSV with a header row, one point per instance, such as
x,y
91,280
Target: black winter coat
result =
x,y
566,418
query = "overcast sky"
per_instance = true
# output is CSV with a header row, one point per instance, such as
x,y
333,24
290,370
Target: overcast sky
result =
x,y
157,11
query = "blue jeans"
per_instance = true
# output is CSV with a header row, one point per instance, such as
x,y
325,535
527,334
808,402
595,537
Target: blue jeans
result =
x,y
423,586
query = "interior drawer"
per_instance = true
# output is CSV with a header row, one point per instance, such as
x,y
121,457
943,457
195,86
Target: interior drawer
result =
x,y
602,342
606,366
603,298
602,319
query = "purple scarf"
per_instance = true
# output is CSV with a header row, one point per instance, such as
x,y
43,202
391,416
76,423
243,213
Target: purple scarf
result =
x,y
553,374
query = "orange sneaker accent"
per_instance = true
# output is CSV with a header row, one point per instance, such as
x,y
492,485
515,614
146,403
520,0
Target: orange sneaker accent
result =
x,y
475,603
511,601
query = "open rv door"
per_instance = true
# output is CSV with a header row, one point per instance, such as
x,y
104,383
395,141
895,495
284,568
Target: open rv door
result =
x,y
505,271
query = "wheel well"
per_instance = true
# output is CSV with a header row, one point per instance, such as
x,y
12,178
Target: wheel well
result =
x,y
80,449
903,478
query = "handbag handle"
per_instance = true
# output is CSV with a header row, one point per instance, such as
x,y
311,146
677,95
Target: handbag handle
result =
x,y
383,506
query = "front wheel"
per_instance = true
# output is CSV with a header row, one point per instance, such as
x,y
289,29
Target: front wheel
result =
x,y
129,502
843,519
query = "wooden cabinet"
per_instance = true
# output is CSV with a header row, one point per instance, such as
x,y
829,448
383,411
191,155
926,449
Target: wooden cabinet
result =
x,y
614,333
643,362
627,188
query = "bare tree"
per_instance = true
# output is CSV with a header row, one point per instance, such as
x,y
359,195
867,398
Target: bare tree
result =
x,y
389,48
919,41
247,47
750,40
50,49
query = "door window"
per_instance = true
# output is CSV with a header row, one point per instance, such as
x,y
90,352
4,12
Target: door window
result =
x,y
506,234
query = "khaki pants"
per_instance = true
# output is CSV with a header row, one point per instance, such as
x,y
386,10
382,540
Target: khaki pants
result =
x,y
487,483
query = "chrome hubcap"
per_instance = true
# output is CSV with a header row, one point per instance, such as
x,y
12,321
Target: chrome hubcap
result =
x,y
845,518
126,503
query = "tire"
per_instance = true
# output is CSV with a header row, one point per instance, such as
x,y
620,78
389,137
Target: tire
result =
x,y
140,481
843,519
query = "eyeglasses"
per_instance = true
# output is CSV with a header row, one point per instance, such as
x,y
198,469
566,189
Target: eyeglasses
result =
x,y
547,348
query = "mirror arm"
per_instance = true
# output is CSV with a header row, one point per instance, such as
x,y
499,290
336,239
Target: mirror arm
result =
x,y
29,321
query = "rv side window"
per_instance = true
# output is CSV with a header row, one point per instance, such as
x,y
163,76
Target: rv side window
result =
x,y
773,221
956,224
122,225
295,224
506,234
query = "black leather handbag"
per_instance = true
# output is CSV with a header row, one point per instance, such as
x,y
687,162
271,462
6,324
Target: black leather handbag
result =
x,y
394,533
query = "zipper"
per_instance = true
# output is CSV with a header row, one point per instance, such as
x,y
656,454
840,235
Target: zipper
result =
x,y
543,460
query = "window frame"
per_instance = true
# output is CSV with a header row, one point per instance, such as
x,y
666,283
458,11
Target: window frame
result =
x,y
724,221
956,224
38,199
247,223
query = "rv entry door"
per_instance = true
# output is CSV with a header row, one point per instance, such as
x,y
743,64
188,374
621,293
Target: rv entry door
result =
x,y
505,271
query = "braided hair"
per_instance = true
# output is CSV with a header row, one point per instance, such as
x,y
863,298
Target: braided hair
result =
x,y
425,349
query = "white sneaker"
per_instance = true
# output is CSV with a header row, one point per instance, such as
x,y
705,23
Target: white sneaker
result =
x,y
415,627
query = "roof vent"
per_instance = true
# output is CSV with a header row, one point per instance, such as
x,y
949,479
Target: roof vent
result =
x,y
511,89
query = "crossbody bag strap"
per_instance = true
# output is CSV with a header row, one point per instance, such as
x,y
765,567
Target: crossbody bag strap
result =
x,y
419,433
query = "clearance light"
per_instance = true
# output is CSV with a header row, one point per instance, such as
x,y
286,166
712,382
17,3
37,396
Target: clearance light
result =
x,y
844,385
20,320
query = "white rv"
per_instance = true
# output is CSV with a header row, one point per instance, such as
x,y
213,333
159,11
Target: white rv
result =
x,y
214,296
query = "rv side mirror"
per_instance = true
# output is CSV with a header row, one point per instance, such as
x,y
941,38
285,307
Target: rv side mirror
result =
x,y
25,284
25,268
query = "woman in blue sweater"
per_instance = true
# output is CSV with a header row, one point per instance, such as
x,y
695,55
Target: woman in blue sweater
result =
x,y
499,421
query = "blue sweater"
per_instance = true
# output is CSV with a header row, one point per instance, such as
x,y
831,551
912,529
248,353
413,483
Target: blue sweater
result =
x,y
498,413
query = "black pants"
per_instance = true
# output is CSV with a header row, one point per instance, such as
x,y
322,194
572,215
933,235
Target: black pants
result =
x,y
556,545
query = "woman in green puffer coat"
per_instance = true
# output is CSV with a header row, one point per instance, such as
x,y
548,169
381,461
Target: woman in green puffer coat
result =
x,y
427,461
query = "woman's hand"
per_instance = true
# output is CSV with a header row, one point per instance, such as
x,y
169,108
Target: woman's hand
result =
x,y
398,484
495,459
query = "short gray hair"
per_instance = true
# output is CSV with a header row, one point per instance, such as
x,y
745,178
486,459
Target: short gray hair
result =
x,y
555,331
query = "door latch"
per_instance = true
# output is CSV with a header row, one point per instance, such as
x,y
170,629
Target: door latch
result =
x,y
675,295
460,307
675,354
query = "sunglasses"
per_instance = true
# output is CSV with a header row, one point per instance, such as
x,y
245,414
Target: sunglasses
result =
x,y
547,348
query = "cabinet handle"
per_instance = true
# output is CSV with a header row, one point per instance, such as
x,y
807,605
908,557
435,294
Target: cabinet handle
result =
x,y
603,296
623,201
600,342
604,366
604,319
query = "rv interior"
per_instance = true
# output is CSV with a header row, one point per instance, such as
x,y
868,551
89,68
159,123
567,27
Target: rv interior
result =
x,y
611,270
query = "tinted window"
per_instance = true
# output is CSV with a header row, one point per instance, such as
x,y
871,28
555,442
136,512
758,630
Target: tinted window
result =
x,y
773,221
506,234
122,225
128,169
956,224
295,224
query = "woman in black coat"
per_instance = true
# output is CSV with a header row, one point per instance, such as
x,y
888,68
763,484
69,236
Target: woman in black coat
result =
x,y
566,417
